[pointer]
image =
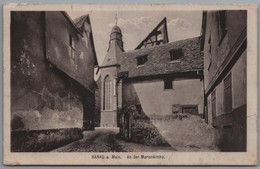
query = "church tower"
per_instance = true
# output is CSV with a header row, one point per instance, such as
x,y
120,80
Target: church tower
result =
x,y
109,73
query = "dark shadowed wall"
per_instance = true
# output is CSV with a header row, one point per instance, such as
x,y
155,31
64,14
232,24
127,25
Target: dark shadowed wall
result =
x,y
80,67
43,96
98,103
225,58
221,45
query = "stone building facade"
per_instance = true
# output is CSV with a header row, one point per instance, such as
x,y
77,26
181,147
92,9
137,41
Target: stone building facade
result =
x,y
52,69
224,42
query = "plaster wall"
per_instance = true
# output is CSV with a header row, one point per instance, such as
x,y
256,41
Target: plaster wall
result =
x,y
238,73
154,99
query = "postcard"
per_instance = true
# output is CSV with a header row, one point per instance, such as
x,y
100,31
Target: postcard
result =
x,y
130,84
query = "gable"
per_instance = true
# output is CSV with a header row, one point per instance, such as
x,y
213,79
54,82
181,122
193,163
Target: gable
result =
x,y
158,36
67,50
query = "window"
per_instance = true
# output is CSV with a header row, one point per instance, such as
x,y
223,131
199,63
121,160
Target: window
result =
x,y
168,83
114,88
222,30
107,94
71,47
228,94
141,60
176,54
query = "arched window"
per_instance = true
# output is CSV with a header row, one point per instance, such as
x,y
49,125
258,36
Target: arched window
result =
x,y
107,94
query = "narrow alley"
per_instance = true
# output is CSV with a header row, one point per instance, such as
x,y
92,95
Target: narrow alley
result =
x,y
105,140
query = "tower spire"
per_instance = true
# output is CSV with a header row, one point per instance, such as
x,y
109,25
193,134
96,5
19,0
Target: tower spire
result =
x,y
116,18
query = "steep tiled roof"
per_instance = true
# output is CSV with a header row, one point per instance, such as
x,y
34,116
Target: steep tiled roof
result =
x,y
80,20
159,60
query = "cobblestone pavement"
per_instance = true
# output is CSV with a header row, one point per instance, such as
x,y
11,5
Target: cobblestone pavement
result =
x,y
104,140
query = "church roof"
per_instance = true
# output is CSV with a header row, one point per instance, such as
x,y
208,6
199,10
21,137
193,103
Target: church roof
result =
x,y
113,56
159,59
116,29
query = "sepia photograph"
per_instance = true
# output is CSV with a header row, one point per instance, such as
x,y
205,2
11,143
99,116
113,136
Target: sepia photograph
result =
x,y
152,83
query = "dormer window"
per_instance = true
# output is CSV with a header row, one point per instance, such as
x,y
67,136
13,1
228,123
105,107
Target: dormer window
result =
x,y
176,54
141,60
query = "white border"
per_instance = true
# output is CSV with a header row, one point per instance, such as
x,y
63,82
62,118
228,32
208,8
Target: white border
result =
x,y
175,158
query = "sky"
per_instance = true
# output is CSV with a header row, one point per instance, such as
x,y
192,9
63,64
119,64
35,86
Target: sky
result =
x,y
136,25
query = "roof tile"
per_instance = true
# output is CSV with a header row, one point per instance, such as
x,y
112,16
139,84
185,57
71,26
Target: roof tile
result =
x,y
159,61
